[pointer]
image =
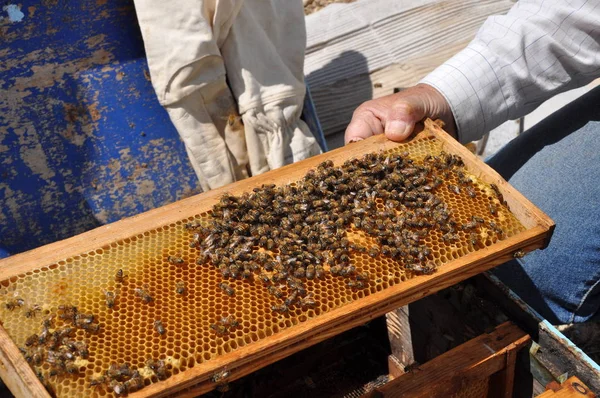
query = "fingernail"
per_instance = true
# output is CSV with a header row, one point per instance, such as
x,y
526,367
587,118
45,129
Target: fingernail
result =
x,y
397,127
355,139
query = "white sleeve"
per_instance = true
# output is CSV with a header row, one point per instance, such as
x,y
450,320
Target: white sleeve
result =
x,y
517,61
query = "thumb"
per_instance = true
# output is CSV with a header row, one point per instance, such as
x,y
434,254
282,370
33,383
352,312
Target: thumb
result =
x,y
402,117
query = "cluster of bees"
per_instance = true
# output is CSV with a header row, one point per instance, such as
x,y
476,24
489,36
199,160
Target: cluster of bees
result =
x,y
123,379
55,345
283,236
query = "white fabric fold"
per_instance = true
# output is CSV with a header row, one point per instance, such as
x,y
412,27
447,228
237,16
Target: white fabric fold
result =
x,y
210,58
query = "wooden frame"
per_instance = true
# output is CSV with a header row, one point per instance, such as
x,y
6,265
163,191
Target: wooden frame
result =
x,y
489,357
20,378
571,388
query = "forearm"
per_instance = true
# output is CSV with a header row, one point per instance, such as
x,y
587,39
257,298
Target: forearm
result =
x,y
519,60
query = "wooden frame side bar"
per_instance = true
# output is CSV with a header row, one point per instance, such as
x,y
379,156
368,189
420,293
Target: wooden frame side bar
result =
x,y
15,371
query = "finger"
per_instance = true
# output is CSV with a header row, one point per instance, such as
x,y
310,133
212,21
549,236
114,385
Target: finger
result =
x,y
362,126
403,116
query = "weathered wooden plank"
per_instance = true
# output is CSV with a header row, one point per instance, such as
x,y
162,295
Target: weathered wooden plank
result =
x,y
474,360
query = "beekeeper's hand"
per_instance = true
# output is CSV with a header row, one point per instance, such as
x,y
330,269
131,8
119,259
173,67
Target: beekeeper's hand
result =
x,y
397,115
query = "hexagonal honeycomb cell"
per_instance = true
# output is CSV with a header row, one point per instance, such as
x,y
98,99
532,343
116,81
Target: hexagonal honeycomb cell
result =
x,y
162,282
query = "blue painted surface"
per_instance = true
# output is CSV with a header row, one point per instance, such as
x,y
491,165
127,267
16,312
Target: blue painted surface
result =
x,y
83,140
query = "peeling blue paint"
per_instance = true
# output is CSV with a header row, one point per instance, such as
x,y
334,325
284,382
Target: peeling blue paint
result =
x,y
83,139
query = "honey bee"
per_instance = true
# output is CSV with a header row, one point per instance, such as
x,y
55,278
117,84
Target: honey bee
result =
x,y
202,258
224,270
348,271
474,239
450,237
454,188
279,276
71,368
220,376
55,359
158,367
296,284
497,192
319,272
219,329
428,268
64,332
299,272
48,322
78,347
374,251
158,326
227,289
362,276
469,225
14,303
90,327
109,298
119,276
43,337
33,311
478,219
264,278
355,284
67,312
119,388
180,287
291,298
119,372
275,291
96,381
471,192
32,340
493,209
135,383
307,301
496,228
143,295
35,356
175,260
310,272
81,319
280,308
229,322
335,269
192,225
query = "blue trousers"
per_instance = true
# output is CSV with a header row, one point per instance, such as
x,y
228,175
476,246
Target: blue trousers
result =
x,y
556,165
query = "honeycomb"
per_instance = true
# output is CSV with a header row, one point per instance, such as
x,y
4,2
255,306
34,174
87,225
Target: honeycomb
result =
x,y
162,282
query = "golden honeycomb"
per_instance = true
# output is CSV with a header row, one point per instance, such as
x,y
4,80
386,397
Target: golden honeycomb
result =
x,y
127,330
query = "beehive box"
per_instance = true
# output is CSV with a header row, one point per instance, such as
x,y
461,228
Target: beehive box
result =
x,y
154,252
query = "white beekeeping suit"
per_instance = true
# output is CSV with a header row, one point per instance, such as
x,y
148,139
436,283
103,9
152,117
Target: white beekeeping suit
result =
x,y
206,56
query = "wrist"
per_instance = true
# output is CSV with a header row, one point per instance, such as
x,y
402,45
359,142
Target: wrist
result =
x,y
439,108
